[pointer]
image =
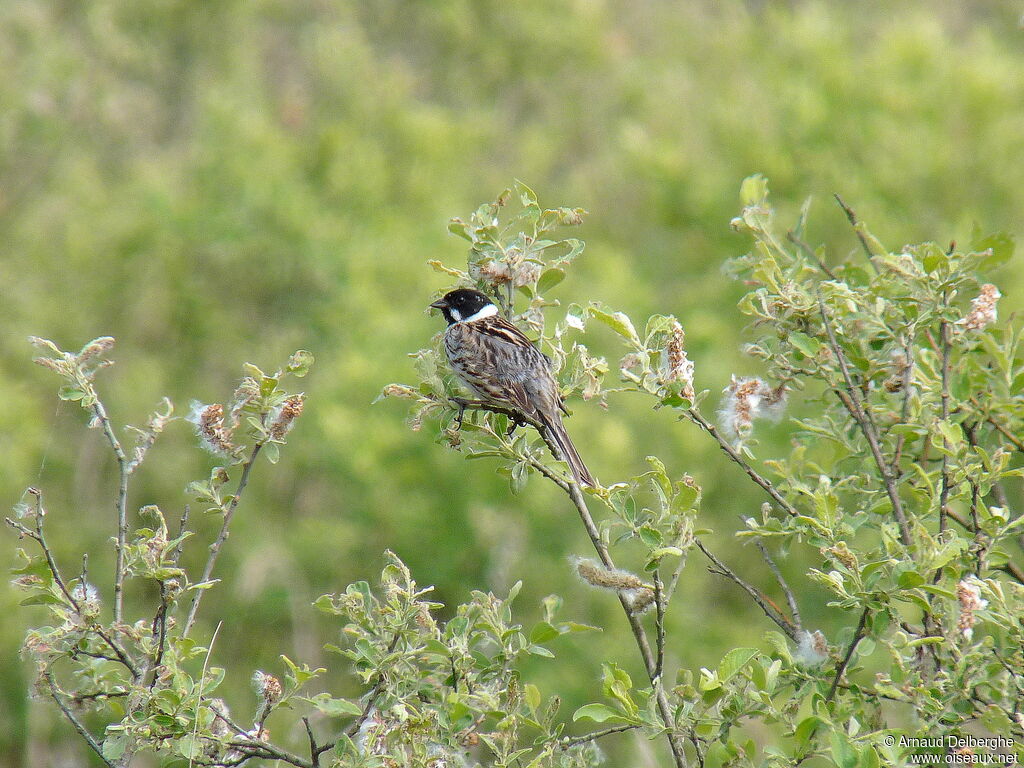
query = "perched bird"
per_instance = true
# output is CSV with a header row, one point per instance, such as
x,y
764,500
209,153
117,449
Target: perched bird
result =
x,y
495,360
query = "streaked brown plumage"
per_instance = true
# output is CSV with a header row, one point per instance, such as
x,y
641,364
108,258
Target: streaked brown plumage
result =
x,y
495,360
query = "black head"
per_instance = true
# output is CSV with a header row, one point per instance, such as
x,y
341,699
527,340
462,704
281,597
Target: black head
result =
x,y
463,304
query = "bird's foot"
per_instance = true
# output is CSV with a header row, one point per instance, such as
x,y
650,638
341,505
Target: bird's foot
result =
x,y
514,423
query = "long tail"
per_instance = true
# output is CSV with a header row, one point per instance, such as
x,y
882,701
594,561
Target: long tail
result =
x,y
557,435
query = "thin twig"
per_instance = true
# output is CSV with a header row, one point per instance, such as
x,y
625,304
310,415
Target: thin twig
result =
x,y
221,537
810,254
82,730
572,741
650,662
944,492
122,505
202,680
857,228
851,400
81,698
313,754
857,636
770,610
40,538
673,582
375,692
790,597
1017,442
907,375
659,623
694,415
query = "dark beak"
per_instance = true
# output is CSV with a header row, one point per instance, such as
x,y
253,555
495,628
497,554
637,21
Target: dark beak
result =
x,y
439,304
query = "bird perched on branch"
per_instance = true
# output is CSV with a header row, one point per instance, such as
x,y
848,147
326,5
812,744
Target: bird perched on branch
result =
x,y
496,360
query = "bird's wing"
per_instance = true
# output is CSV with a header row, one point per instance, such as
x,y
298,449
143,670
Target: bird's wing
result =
x,y
501,329
511,355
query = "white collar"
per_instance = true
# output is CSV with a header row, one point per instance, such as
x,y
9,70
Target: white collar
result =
x,y
489,311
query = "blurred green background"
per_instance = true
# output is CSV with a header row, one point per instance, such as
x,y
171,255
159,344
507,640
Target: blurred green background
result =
x,y
227,181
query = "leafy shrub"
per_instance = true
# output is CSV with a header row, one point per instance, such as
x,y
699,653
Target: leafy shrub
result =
x,y
895,482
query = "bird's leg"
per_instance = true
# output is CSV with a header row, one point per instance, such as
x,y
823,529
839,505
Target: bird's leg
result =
x,y
514,423
463,405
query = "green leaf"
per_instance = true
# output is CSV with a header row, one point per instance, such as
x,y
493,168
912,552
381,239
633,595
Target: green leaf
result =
x,y
532,695
543,632
734,661
190,746
869,758
300,363
44,598
617,321
599,713
70,393
805,730
550,279
810,347
843,752
114,746
1002,244
754,190
335,707
910,580
272,451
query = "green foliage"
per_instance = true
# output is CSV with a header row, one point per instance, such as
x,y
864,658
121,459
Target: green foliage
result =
x,y
896,481
214,182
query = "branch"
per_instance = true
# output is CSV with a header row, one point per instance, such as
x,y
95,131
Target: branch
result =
x,y
572,741
314,753
375,692
944,493
221,538
694,415
857,636
769,610
790,597
122,505
39,537
810,254
650,663
82,730
851,399
857,227
659,606
907,375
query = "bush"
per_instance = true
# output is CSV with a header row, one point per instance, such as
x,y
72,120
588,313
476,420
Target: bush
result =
x,y
895,483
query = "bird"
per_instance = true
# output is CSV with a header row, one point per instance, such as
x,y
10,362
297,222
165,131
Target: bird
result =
x,y
496,361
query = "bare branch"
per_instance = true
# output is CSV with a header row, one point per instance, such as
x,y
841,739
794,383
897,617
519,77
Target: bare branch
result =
x,y
314,754
221,537
39,536
857,637
371,699
944,492
124,470
810,254
790,597
650,663
659,606
694,415
572,741
851,400
82,730
907,376
858,228
765,604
